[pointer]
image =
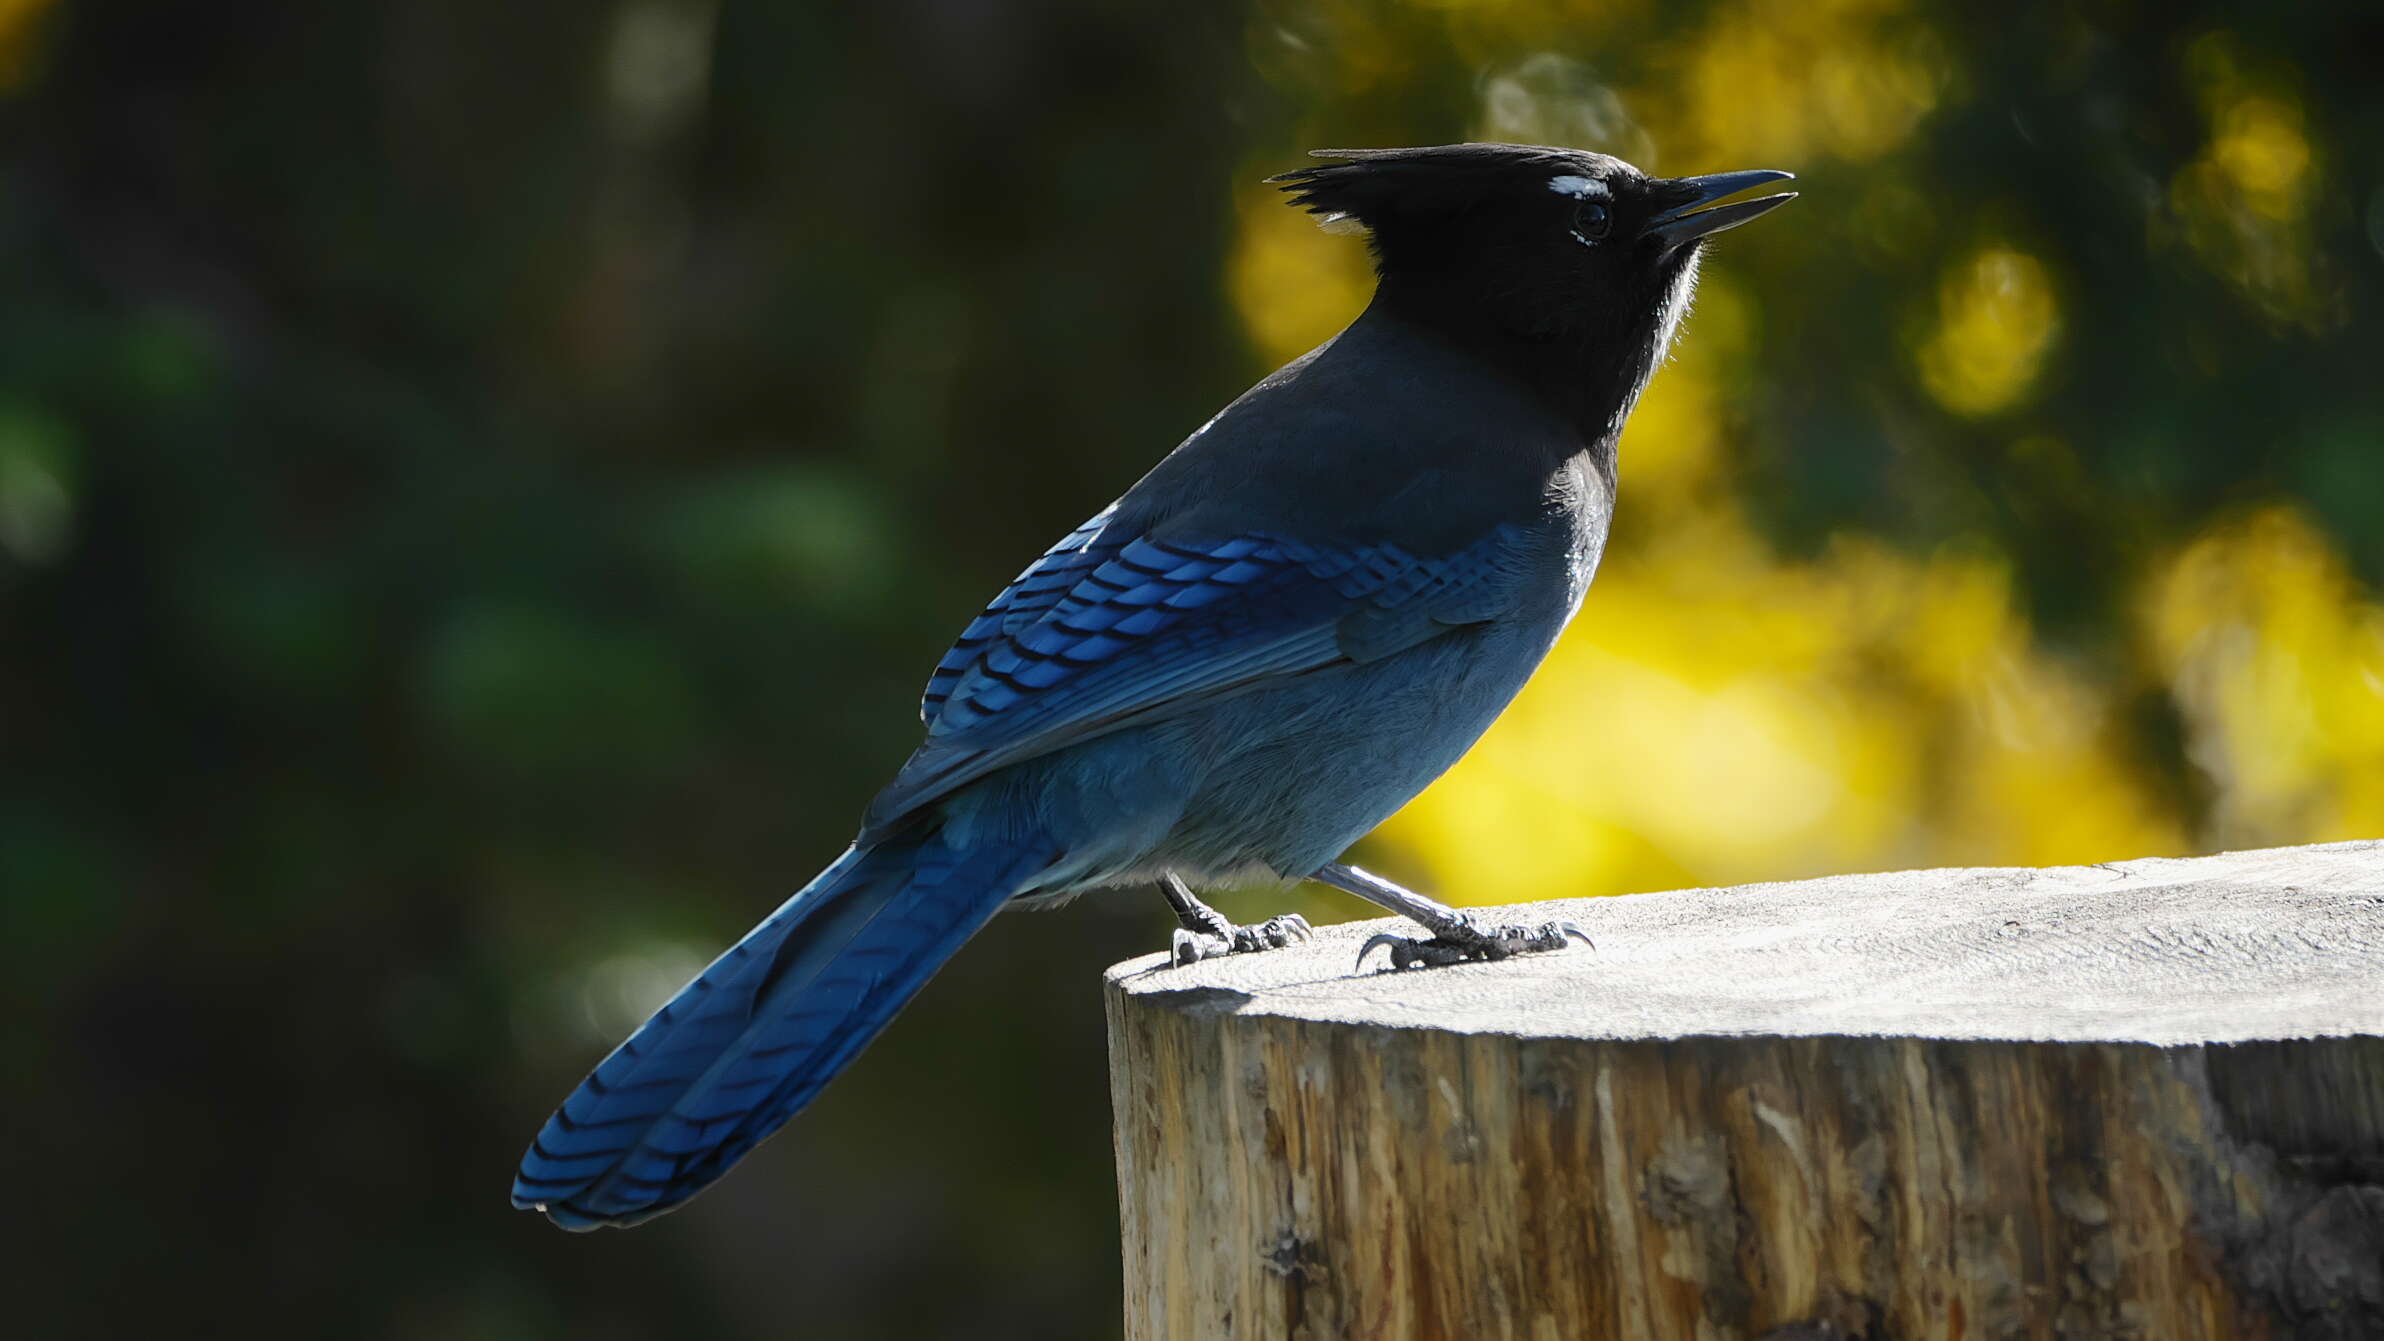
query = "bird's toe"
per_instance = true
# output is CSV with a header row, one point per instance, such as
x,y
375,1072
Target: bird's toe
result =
x,y
1190,947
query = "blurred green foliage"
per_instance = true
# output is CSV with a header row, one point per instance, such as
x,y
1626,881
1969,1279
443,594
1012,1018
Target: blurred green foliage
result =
x,y
481,487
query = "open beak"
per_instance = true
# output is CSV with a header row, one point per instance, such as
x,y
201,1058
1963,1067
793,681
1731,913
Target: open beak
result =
x,y
1686,223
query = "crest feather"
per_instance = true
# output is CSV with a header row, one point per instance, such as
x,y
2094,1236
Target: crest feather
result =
x,y
1376,186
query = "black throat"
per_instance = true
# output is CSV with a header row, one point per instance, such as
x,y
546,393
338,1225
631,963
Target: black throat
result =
x,y
1586,361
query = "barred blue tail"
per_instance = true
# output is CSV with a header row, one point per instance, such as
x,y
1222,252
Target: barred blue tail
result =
x,y
743,1047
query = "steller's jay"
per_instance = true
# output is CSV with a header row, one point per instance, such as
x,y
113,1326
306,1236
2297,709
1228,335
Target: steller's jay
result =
x,y
1290,626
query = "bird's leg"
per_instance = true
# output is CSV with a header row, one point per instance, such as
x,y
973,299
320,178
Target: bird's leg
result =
x,y
1456,937
1206,934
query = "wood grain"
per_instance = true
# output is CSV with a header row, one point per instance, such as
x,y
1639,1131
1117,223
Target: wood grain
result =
x,y
2144,1099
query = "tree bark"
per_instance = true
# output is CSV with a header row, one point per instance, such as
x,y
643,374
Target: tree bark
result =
x,y
2143,1099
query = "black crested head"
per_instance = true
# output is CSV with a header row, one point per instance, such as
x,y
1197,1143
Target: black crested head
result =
x,y
1570,269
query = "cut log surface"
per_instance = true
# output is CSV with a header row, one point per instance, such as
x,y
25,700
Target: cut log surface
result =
x,y
2138,1099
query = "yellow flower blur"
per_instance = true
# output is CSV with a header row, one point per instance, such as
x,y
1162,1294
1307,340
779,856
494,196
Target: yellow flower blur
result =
x,y
1996,321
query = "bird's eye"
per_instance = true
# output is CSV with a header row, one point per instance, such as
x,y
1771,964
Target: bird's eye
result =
x,y
1591,222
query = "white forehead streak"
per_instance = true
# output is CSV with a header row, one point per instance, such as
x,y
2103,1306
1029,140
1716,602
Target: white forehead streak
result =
x,y
1579,188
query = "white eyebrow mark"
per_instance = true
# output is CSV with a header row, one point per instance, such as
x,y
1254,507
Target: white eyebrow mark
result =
x,y
1579,188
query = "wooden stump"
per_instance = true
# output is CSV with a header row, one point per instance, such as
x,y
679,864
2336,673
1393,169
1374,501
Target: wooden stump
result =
x,y
2143,1099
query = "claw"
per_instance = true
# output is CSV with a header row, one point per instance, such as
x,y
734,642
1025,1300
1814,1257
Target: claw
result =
x,y
1395,943
1287,929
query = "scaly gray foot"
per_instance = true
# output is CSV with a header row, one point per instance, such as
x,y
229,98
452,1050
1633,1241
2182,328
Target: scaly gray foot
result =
x,y
1470,942
1190,947
1205,933
1457,937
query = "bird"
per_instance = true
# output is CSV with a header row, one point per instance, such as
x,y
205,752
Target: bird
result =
x,y
1292,624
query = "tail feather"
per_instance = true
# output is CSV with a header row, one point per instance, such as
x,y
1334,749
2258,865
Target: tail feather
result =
x,y
745,1045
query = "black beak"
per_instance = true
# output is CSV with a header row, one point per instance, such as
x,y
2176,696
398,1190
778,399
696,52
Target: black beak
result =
x,y
1678,227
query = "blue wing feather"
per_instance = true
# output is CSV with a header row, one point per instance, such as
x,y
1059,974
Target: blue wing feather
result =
x,y
1109,630
1032,593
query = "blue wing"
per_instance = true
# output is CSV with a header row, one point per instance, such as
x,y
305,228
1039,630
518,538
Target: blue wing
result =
x,y
1111,630
1044,583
